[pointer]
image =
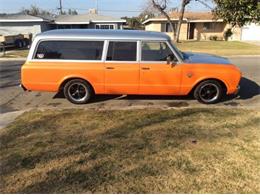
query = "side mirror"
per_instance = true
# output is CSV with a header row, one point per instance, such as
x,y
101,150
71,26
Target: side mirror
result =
x,y
170,60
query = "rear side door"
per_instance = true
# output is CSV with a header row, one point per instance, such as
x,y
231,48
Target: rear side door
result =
x,y
122,68
157,77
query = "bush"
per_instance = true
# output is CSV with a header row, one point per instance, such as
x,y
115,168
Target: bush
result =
x,y
228,33
213,38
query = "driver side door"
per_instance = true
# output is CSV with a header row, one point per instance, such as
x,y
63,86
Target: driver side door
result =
x,y
156,76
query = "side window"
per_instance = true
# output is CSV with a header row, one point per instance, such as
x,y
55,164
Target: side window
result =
x,y
70,50
155,51
104,26
121,51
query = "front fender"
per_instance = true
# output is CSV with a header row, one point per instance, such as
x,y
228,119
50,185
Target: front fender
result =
x,y
187,88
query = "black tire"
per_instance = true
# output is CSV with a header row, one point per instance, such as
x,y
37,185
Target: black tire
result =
x,y
18,43
27,42
208,92
2,49
78,91
23,43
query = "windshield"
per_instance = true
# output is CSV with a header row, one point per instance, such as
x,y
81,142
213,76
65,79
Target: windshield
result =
x,y
177,50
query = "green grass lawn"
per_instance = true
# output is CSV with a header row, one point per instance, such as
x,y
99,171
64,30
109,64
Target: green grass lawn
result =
x,y
225,48
136,151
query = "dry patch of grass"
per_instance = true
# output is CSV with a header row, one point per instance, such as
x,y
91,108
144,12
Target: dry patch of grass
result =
x,y
18,53
137,151
224,48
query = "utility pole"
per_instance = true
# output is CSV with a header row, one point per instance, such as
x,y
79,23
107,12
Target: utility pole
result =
x,y
60,8
97,5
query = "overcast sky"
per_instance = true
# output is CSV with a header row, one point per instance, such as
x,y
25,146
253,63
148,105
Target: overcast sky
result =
x,y
117,8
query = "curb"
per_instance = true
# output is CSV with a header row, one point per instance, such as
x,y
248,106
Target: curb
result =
x,y
242,56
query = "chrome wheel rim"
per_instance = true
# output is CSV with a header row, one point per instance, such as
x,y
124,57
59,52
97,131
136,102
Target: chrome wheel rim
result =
x,y
209,92
78,92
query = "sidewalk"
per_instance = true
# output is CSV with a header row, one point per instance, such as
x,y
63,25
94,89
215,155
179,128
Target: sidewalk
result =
x,y
253,42
8,117
12,59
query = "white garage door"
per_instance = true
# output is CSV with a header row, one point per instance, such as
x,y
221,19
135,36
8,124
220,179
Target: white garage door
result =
x,y
251,33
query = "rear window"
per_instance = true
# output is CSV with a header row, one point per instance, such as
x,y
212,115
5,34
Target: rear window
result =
x,y
70,50
121,51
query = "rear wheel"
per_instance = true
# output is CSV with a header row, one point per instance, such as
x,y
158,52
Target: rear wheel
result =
x,y
208,92
77,91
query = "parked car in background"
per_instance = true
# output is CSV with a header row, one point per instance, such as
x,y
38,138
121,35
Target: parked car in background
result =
x,y
82,63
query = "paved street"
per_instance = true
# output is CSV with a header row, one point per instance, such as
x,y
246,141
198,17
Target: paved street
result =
x,y
14,99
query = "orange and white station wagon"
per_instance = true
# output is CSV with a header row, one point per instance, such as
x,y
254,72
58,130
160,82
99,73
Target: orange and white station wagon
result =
x,y
82,63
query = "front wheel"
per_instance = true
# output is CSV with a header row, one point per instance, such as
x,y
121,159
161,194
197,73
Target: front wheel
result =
x,y
208,92
77,91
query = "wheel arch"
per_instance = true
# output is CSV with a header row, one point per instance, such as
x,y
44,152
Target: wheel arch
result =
x,y
222,83
67,79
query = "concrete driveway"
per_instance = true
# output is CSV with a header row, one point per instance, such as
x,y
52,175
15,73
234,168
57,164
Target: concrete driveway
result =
x,y
13,98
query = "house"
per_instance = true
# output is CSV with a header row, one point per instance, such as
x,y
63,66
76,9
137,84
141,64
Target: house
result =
x,y
90,20
201,26
26,24
13,24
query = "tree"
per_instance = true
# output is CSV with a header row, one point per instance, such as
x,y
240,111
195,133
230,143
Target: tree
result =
x,y
134,22
147,13
35,11
72,12
183,5
161,6
238,12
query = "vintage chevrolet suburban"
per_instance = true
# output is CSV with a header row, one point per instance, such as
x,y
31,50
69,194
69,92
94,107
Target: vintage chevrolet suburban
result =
x,y
81,63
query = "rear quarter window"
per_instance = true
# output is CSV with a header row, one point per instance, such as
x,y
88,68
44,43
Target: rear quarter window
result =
x,y
70,50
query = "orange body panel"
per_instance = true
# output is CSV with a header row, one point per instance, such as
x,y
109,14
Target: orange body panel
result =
x,y
122,78
160,79
127,78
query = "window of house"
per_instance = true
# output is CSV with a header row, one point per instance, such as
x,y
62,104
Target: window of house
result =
x,y
155,51
121,51
104,26
208,26
70,50
168,27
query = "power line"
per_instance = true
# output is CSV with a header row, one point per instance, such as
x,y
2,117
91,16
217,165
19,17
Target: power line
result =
x,y
97,5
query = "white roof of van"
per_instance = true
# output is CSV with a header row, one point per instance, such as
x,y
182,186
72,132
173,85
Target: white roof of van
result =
x,y
103,34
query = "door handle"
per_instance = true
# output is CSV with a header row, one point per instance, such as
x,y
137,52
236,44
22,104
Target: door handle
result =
x,y
110,68
145,68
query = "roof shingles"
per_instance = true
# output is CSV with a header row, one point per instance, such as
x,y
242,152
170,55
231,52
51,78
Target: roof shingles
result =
x,y
85,18
21,17
194,15
190,16
81,18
